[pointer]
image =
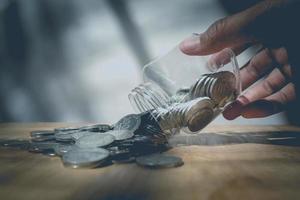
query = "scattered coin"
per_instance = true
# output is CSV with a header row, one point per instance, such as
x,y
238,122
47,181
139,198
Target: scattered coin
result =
x,y
121,134
41,133
40,147
88,157
63,129
158,161
15,143
96,128
77,135
43,138
95,140
129,122
65,136
61,149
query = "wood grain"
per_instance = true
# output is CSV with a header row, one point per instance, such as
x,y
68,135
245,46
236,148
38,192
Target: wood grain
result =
x,y
221,171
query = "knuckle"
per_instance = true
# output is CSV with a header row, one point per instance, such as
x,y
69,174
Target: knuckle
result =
x,y
214,31
283,96
281,55
253,68
269,86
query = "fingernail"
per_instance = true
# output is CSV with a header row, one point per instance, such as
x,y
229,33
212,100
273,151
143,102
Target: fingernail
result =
x,y
190,44
233,110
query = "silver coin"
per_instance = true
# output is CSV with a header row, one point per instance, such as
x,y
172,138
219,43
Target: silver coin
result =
x,y
89,157
43,138
199,86
95,140
49,152
41,133
40,147
96,128
15,143
75,136
65,136
63,129
121,134
224,88
61,149
159,161
129,122
204,86
196,85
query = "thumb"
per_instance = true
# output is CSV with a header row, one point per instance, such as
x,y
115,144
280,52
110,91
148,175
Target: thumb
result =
x,y
226,32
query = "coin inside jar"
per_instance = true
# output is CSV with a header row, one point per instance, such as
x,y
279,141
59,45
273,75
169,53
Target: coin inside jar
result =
x,y
224,88
200,113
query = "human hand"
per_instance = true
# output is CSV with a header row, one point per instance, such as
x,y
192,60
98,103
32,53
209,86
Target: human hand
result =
x,y
267,96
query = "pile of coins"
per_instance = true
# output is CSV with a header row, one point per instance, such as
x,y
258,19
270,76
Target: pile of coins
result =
x,y
136,137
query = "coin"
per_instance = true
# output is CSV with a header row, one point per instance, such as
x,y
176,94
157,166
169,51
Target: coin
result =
x,y
96,128
159,161
224,89
61,149
63,129
49,152
200,119
121,134
65,136
88,157
199,113
75,136
15,143
129,122
95,140
40,147
43,138
41,133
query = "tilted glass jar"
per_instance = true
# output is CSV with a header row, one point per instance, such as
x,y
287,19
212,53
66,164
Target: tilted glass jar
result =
x,y
185,92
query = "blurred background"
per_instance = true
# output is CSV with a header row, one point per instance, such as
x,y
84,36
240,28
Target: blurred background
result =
x,y
74,60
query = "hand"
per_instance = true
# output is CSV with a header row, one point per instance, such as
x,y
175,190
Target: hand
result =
x,y
267,96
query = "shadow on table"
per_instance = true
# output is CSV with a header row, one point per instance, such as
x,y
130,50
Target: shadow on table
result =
x,y
286,138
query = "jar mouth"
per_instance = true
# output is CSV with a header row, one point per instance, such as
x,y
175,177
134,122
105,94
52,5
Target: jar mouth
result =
x,y
148,96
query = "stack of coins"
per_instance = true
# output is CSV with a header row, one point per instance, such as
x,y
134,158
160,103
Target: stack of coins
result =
x,y
220,87
194,114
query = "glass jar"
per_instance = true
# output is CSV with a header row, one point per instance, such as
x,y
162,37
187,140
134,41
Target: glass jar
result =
x,y
184,92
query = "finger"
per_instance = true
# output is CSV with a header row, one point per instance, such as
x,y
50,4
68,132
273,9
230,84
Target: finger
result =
x,y
274,82
270,105
226,32
271,84
210,41
280,58
261,108
258,66
234,109
285,95
280,55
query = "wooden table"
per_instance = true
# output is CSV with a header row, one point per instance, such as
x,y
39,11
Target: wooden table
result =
x,y
246,170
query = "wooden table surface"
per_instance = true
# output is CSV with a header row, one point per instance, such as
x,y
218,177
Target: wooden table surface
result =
x,y
267,168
